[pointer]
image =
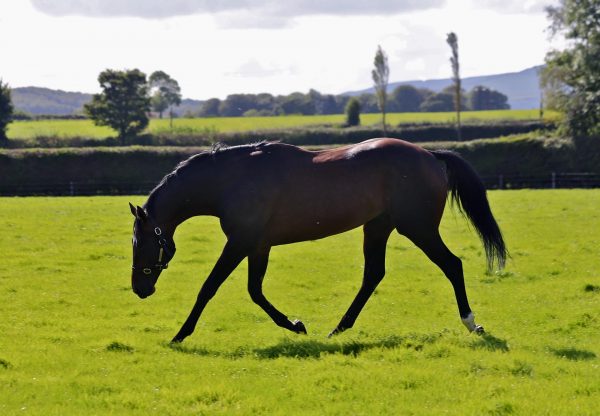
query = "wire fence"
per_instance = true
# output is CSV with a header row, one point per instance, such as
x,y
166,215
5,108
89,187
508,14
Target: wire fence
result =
x,y
552,181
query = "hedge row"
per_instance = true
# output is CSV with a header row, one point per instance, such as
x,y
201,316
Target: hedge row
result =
x,y
323,135
416,133
134,165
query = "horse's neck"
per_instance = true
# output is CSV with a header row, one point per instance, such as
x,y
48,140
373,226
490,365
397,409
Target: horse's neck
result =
x,y
173,204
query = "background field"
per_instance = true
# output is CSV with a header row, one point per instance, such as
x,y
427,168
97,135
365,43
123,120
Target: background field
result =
x,y
74,339
183,126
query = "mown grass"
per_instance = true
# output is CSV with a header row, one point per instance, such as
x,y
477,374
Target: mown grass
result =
x,y
74,339
195,126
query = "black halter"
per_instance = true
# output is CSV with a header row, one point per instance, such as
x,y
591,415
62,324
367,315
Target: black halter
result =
x,y
164,250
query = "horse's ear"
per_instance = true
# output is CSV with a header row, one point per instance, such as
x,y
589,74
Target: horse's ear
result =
x,y
141,213
132,208
138,212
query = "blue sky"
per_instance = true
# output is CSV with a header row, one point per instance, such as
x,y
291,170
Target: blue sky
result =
x,y
214,48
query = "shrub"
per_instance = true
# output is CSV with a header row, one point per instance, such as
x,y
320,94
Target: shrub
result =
x,y
352,112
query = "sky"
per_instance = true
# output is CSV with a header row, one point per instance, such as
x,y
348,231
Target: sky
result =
x,y
214,48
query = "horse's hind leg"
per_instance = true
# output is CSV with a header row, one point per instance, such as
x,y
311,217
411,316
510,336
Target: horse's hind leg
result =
x,y
257,267
432,245
376,234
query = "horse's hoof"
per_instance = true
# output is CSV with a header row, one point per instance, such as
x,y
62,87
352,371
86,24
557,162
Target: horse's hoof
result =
x,y
479,330
334,332
299,327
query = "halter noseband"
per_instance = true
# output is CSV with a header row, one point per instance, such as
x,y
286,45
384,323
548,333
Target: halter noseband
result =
x,y
164,248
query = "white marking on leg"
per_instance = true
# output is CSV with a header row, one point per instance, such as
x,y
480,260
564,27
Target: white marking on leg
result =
x,y
469,322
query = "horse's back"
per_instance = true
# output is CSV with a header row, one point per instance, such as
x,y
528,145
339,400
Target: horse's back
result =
x,y
316,194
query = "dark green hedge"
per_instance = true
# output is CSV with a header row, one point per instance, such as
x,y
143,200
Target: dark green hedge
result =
x,y
132,165
99,165
529,155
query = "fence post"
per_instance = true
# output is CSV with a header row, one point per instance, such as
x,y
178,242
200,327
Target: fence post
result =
x,y
71,188
553,180
500,181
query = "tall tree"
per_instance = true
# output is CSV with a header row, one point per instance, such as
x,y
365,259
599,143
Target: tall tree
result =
x,y
123,103
380,75
6,109
165,93
572,77
452,40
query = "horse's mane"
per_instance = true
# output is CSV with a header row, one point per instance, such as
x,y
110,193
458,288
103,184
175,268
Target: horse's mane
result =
x,y
218,150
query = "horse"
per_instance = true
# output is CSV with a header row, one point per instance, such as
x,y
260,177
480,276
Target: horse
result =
x,y
269,193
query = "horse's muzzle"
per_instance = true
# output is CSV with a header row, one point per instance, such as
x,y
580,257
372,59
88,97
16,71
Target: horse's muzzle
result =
x,y
146,294
144,291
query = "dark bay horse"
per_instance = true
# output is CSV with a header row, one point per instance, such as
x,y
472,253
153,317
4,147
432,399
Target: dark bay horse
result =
x,y
267,194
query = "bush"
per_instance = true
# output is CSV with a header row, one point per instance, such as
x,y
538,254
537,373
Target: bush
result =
x,y
352,112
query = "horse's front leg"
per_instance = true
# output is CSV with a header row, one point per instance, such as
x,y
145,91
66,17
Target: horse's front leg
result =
x,y
230,258
376,234
257,267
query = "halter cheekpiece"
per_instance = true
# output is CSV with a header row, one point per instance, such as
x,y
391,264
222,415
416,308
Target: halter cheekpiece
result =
x,y
164,248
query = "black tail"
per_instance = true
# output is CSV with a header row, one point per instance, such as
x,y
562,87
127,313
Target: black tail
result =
x,y
468,192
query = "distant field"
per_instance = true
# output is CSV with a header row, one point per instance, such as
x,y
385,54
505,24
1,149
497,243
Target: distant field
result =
x,y
75,340
183,126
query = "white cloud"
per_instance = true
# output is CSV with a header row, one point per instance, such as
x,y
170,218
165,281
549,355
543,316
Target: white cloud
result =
x,y
258,8
254,69
516,6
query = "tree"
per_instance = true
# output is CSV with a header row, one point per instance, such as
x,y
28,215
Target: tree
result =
x,y
237,104
442,101
6,109
571,78
484,98
368,103
406,99
452,40
297,103
123,103
210,108
353,112
164,92
380,75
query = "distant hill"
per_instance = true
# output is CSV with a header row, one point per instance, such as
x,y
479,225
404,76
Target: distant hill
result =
x,y
35,100
44,101
522,88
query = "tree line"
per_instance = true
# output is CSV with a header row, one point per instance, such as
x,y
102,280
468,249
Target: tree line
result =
x,y
404,98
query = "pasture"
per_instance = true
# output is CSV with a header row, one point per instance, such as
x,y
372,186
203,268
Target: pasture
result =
x,y
195,126
74,339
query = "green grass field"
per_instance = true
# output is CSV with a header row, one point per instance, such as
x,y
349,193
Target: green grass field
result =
x,y
75,340
187,126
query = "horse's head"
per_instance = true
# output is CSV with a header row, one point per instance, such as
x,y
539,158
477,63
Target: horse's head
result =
x,y
152,251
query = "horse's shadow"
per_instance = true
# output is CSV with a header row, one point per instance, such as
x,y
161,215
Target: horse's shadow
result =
x,y
289,348
315,349
491,343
